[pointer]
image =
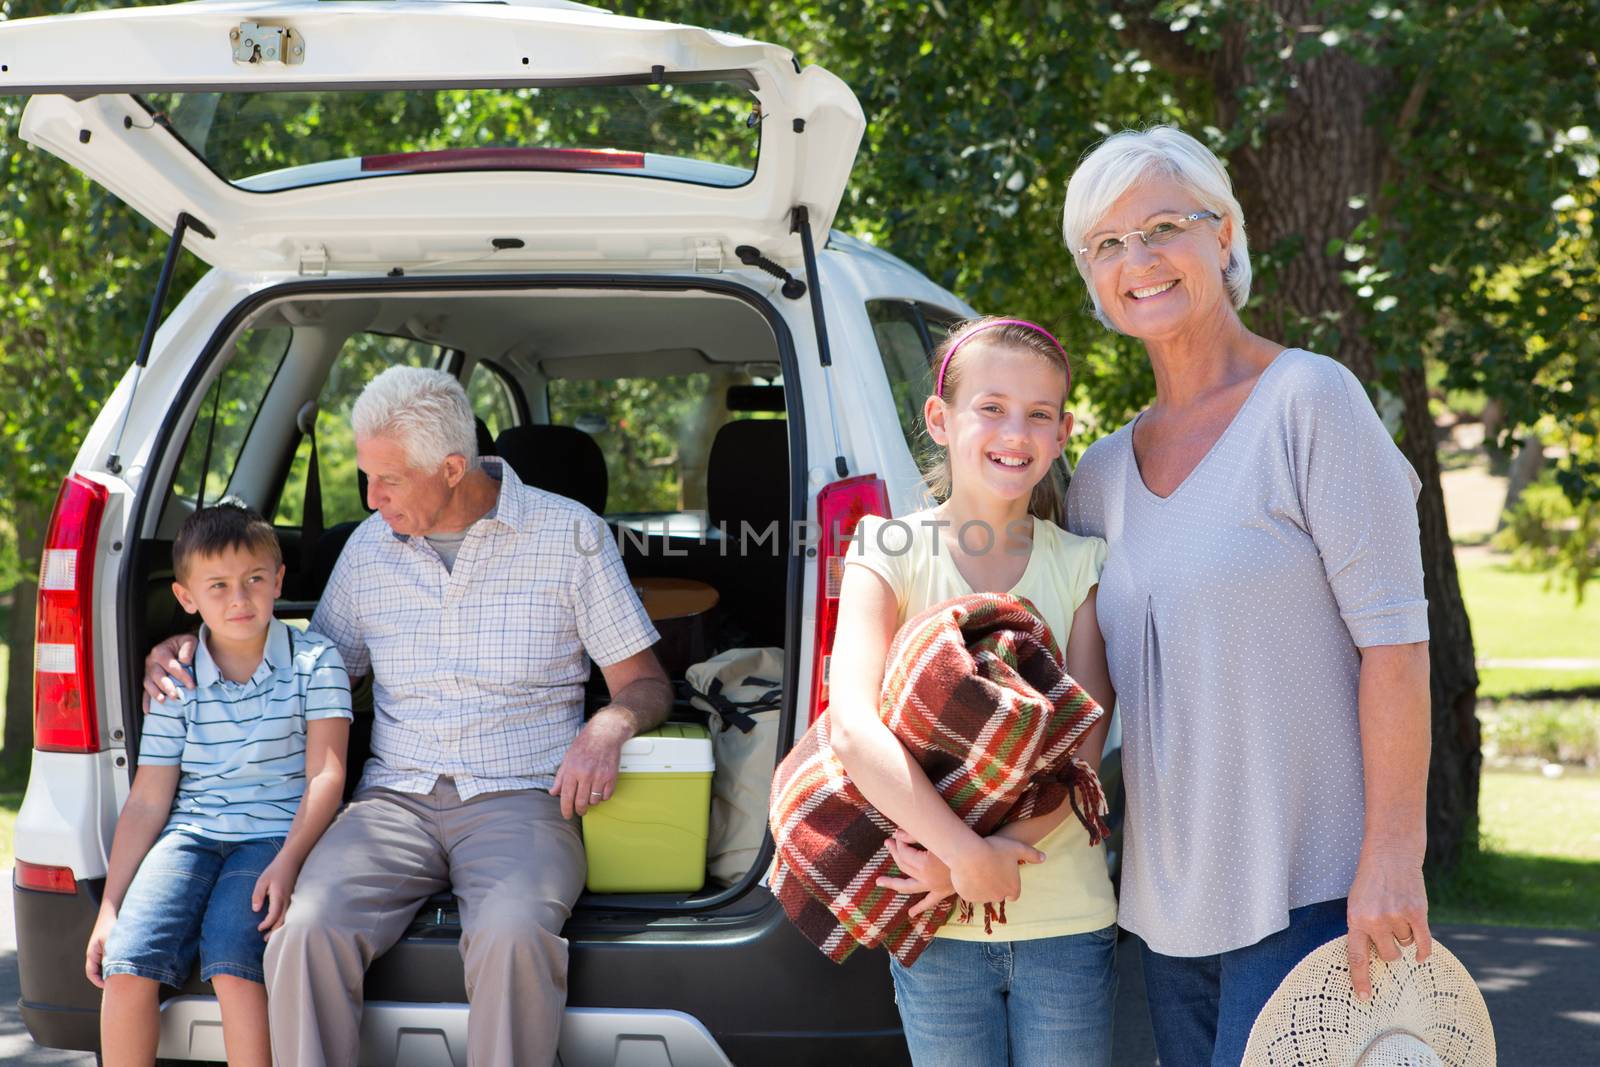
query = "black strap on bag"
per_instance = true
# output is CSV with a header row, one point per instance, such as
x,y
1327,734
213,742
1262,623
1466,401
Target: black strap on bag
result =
x,y
739,714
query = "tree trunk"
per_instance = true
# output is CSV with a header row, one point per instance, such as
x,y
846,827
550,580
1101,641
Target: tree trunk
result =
x,y
1524,470
18,740
1296,183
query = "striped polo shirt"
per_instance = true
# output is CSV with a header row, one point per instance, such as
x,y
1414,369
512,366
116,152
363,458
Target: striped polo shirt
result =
x,y
241,746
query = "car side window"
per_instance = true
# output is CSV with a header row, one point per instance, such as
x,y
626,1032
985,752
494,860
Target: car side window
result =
x,y
495,398
906,349
938,323
363,357
227,412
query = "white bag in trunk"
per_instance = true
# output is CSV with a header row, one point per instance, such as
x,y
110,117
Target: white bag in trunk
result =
x,y
742,691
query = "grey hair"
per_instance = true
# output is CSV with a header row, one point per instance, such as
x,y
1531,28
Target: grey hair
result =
x,y
1122,161
425,411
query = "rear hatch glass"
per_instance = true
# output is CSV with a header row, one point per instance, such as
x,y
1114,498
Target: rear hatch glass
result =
x,y
704,131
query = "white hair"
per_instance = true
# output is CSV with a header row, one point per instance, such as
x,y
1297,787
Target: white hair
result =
x,y
1122,161
425,411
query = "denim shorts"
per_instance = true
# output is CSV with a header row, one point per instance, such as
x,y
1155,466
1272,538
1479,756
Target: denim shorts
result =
x,y
192,893
1046,1001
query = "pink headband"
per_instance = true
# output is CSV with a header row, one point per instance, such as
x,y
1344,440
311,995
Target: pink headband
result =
x,y
938,389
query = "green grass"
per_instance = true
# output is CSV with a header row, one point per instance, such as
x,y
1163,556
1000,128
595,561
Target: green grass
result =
x,y
10,801
1538,861
1514,616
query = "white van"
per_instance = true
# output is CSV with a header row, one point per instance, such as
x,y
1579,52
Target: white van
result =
x,y
616,233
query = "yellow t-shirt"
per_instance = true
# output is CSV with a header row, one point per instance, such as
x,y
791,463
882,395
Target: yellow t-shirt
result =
x,y
1070,892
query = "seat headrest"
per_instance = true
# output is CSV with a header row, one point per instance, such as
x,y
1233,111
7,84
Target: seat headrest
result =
x,y
558,459
747,476
756,398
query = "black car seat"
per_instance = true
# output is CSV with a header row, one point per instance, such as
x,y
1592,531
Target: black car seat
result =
x,y
747,482
558,459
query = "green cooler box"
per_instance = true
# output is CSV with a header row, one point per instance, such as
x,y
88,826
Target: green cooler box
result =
x,y
650,837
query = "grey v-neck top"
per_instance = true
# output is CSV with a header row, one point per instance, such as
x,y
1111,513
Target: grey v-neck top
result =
x,y
1232,612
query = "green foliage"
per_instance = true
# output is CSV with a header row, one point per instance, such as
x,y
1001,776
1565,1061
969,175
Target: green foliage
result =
x,y
1546,531
74,291
976,116
1555,731
1472,246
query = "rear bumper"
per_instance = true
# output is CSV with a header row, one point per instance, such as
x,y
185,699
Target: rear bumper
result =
x,y
59,1006
755,987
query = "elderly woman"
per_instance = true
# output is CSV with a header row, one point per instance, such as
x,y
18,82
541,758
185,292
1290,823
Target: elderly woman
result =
x,y
1263,615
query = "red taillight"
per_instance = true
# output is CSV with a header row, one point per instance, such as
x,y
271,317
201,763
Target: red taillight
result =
x,y
45,879
506,159
840,506
64,718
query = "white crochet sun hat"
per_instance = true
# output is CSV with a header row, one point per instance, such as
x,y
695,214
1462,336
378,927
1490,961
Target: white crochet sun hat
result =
x,y
1420,1015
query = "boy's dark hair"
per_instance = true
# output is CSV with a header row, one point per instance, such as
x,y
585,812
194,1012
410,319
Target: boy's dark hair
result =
x,y
213,530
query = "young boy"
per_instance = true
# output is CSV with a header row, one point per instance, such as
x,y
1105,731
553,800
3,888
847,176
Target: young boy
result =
x,y
237,780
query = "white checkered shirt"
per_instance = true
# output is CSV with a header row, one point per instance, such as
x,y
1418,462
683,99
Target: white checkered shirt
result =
x,y
478,672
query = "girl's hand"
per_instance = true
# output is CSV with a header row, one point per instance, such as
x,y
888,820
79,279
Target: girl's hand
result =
x,y
96,952
273,888
987,872
924,873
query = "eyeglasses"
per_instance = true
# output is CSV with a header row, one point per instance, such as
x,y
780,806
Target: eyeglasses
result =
x,y
1170,229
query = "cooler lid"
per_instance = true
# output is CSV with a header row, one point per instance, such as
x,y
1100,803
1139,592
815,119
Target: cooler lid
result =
x,y
674,747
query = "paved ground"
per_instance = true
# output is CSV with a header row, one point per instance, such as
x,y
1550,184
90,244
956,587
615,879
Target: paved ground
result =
x,y
1542,988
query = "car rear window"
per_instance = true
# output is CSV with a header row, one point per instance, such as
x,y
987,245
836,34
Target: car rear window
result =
x,y
707,132
655,433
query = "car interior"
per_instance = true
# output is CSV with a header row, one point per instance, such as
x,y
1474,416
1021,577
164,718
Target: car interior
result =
x,y
664,412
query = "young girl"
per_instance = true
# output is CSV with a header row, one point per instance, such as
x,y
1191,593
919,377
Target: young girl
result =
x,y
1040,987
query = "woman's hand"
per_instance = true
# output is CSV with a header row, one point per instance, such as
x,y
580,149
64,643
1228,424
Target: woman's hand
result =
x,y
1388,908
986,872
95,954
273,889
924,873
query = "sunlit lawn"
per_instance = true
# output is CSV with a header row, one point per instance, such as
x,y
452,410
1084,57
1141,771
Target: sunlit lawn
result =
x,y
1539,861
1515,617
9,803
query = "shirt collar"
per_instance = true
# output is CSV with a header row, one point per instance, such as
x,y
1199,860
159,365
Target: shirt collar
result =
x,y
514,507
275,658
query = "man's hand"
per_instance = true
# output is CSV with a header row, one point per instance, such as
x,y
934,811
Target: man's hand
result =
x,y
1388,908
96,952
924,873
588,774
273,889
167,667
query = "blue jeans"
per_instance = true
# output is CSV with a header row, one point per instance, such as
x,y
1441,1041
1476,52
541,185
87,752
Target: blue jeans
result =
x,y
1048,1001
1202,1007
192,893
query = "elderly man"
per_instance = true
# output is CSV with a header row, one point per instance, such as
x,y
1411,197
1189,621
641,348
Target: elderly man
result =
x,y
476,602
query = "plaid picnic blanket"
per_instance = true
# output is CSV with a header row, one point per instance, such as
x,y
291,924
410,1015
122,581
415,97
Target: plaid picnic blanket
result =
x,y
976,691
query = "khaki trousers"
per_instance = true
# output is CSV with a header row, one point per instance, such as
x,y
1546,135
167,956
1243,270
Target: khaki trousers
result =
x,y
516,867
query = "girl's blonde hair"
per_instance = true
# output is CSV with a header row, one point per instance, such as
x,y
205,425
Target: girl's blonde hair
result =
x,y
1049,496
